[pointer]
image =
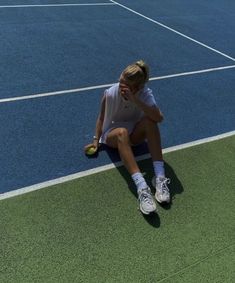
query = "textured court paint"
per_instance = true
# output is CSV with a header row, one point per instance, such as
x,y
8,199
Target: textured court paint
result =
x,y
60,44
175,31
210,24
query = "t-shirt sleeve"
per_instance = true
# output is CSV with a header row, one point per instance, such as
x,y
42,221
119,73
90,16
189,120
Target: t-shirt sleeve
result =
x,y
149,98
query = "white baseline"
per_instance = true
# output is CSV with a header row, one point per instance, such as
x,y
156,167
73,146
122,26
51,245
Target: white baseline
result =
x,y
107,167
60,92
56,5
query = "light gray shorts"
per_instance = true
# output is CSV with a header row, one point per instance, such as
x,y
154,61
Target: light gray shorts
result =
x,y
127,125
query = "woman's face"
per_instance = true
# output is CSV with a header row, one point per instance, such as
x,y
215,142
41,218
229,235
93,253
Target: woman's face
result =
x,y
125,87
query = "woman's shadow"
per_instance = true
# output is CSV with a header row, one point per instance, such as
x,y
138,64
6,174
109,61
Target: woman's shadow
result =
x,y
146,168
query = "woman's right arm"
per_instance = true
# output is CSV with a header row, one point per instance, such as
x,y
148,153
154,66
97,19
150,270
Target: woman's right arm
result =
x,y
100,120
98,128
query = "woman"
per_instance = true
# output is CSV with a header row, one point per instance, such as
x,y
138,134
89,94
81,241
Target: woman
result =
x,y
129,116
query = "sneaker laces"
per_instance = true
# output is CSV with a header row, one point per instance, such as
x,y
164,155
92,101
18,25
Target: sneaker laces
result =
x,y
164,182
145,196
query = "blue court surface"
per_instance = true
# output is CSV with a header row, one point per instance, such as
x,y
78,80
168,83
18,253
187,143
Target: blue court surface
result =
x,y
57,58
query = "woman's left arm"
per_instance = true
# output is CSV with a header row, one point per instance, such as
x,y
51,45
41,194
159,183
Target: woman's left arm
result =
x,y
153,112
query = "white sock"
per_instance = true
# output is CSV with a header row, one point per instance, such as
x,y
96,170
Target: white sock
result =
x,y
139,181
159,169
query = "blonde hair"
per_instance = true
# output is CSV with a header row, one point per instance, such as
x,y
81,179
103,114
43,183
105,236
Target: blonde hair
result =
x,y
137,73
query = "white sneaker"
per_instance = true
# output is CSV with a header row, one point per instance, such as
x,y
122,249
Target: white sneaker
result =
x,y
146,201
162,191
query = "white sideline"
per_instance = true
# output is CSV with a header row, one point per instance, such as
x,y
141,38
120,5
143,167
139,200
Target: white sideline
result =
x,y
60,92
173,30
78,175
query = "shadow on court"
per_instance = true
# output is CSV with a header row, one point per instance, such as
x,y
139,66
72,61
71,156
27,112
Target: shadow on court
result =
x,y
146,168
175,186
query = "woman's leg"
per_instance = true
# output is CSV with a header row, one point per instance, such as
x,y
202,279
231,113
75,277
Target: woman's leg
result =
x,y
119,138
148,130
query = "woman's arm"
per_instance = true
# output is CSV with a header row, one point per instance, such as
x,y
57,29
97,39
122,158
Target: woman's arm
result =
x,y
98,128
153,112
99,121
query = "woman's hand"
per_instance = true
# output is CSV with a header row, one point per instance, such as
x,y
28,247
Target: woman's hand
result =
x,y
91,148
128,94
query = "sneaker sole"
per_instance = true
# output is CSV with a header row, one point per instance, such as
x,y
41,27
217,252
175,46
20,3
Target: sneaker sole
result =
x,y
147,212
160,201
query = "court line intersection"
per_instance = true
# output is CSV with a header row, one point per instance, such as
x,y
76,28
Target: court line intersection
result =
x,y
173,30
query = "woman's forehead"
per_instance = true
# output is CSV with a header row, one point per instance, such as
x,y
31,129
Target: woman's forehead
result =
x,y
122,79
125,81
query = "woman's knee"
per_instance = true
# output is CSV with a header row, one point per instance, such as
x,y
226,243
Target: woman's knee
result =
x,y
117,136
123,135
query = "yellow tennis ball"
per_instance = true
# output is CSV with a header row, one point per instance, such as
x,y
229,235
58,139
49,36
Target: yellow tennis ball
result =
x,y
91,150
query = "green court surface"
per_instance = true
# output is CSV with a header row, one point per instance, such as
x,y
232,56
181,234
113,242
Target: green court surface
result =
x,y
90,230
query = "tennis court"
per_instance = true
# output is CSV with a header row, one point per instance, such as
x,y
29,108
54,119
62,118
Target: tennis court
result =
x,y
69,218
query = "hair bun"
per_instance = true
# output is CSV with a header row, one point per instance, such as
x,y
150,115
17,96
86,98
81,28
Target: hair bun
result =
x,y
144,67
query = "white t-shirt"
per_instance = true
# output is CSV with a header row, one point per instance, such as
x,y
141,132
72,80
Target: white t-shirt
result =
x,y
123,113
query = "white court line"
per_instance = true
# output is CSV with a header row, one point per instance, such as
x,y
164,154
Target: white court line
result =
x,y
107,167
56,5
32,96
193,73
173,30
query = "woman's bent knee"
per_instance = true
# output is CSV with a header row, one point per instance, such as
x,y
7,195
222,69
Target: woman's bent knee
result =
x,y
117,136
123,135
